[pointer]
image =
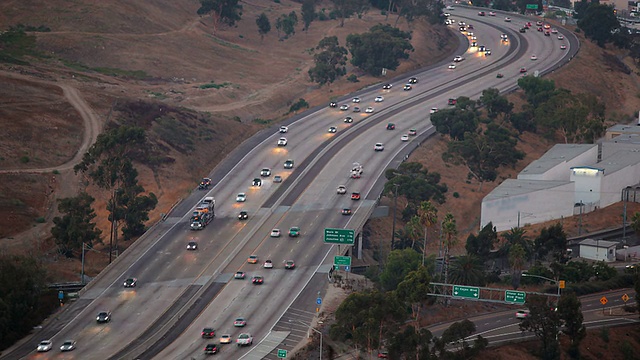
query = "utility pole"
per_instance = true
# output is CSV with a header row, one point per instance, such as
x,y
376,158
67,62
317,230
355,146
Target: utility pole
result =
x,y
625,198
580,219
395,208
82,274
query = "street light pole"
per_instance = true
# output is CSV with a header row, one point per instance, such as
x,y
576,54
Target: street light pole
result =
x,y
545,278
312,328
395,207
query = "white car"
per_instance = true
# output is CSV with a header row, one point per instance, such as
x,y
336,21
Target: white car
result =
x,y
507,19
452,66
283,129
433,110
282,141
449,7
244,339
521,314
491,13
265,172
45,345
344,107
268,264
407,87
369,110
241,197
341,190
458,58
534,57
554,31
563,47
560,37
378,147
404,137
379,99
356,100
68,345
275,233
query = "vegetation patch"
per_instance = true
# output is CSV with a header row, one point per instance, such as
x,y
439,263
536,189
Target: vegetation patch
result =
x,y
213,85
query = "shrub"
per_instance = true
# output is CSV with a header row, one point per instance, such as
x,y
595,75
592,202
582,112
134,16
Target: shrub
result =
x,y
40,220
24,159
353,78
300,104
55,172
456,195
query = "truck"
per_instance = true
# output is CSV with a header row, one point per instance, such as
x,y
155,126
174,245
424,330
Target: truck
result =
x,y
203,214
356,171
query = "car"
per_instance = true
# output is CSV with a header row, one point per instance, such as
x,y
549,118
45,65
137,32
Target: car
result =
x,y
265,172
346,211
283,129
288,164
560,37
257,182
225,339
521,314
391,126
379,99
103,317
491,13
462,28
355,195
68,345
282,141
474,44
243,215
208,333
547,33
547,26
277,179
534,57
378,147
433,110
452,66
205,183
333,104
240,275
528,24
240,322
413,80
348,120
244,339
257,280
523,70
241,197
192,245
130,282
458,58
523,30
446,14
631,268
487,52
294,231
507,19
406,87
355,100
470,27
344,107
252,259
404,138
211,349
499,76
452,101
332,130
369,110
268,264
289,265
387,86
504,37
563,47
540,29
412,132
44,346
356,109
473,37
539,23
554,31
482,48
275,233
449,7
481,13
341,190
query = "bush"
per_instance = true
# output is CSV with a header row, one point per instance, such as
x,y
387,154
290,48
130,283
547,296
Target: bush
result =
x,y
55,172
353,78
300,104
456,195
40,220
24,159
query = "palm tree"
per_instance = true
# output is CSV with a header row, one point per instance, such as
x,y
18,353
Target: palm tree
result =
x,y
635,222
450,230
467,270
428,217
516,261
413,229
516,236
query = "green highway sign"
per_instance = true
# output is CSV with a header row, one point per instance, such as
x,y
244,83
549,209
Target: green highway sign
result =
x,y
532,6
339,236
342,260
282,353
468,292
516,297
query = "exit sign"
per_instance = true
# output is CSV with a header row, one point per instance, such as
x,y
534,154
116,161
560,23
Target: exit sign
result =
x,y
532,6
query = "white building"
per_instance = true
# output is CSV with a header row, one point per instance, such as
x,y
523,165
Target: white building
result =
x,y
598,250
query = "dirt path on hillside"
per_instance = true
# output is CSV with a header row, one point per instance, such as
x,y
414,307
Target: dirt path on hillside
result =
x,y
90,120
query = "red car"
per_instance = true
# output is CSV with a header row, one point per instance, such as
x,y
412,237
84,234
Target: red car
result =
x,y
355,196
523,70
452,101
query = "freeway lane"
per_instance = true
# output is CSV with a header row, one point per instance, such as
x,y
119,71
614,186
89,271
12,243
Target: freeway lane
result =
x,y
168,273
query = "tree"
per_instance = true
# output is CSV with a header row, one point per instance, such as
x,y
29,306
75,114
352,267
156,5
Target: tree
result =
x,y
579,118
330,62
636,287
428,216
457,334
346,8
552,240
132,207
416,183
496,104
537,90
482,244
414,290
544,321
569,309
467,270
414,230
380,48
308,13
455,122
410,344
76,226
517,257
635,222
516,236
604,272
449,230
399,264
221,11
264,26
287,24
599,23
414,9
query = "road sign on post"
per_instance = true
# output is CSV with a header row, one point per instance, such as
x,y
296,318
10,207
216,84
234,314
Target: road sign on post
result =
x,y
282,353
342,260
603,300
339,236
532,6
468,292
516,297
625,298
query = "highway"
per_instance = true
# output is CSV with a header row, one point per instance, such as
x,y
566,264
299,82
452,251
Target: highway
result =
x,y
180,292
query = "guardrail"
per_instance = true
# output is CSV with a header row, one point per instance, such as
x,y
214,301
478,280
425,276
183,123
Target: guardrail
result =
x,y
67,287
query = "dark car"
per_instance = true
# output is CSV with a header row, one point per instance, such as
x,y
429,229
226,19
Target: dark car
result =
x,y
288,164
413,80
289,265
208,333
257,182
130,282
243,215
346,211
391,126
386,86
333,104
205,183
103,317
523,30
355,196
257,280
192,245
211,349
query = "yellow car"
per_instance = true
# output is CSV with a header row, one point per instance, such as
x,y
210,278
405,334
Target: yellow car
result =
x,y
225,339
253,259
